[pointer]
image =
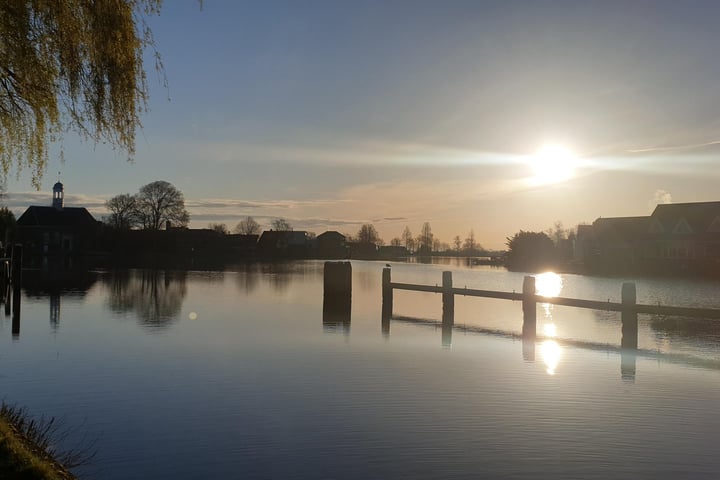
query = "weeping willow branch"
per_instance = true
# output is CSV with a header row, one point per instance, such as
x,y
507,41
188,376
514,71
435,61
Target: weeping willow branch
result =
x,y
71,65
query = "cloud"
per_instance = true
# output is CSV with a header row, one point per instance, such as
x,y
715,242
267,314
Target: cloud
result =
x,y
677,148
660,197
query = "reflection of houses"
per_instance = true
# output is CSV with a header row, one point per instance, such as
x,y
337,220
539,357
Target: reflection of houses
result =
x,y
392,251
57,229
281,243
676,237
331,244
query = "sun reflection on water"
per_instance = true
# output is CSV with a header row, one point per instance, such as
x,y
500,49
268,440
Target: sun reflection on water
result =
x,y
551,353
550,330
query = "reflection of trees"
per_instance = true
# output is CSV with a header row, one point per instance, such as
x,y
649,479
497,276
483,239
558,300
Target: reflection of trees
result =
x,y
247,278
686,327
155,296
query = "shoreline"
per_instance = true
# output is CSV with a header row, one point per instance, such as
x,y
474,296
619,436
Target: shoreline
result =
x,y
22,456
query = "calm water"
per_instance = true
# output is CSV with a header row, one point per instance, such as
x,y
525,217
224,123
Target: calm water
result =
x,y
238,374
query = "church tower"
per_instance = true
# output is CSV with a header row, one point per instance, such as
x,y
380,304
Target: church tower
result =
x,y
58,194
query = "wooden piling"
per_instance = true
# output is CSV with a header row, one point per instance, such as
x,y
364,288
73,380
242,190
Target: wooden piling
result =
x,y
337,279
529,308
629,317
387,292
448,298
337,298
448,313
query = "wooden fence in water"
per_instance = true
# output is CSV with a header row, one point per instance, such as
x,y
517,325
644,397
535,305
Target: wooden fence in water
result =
x,y
628,305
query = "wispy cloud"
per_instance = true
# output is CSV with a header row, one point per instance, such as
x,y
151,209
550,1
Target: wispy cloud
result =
x,y
676,148
659,197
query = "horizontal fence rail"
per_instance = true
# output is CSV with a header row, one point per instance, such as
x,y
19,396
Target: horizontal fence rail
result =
x,y
563,301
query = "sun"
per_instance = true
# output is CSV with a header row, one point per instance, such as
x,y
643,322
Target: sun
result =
x,y
552,163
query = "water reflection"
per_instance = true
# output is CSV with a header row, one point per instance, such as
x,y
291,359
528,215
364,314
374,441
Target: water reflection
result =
x,y
551,353
550,330
337,311
155,296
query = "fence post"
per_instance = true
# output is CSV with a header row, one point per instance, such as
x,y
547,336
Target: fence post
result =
x,y
448,298
448,315
337,298
629,317
529,308
387,291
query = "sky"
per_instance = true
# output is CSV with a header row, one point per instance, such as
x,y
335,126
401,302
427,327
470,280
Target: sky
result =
x,y
337,113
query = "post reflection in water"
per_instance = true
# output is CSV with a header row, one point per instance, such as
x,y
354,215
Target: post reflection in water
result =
x,y
55,310
628,360
16,300
337,312
337,297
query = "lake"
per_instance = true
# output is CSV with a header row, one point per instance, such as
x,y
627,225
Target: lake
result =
x,y
240,374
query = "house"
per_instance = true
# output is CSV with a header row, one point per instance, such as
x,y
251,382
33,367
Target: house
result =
x,y
614,244
331,244
284,244
56,230
676,238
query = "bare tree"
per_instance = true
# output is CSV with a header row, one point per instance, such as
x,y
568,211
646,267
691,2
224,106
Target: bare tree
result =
x,y
123,211
470,246
219,227
425,239
248,226
368,234
408,240
457,243
281,224
160,202
396,242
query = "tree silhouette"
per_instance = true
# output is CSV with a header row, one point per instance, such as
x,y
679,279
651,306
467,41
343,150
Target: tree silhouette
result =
x,y
248,226
368,234
159,202
530,251
123,211
281,224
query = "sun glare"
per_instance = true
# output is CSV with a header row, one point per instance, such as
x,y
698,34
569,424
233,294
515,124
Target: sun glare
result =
x,y
552,164
548,284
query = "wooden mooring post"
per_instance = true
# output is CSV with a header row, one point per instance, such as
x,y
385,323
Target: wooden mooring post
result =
x,y
387,301
629,317
448,315
16,268
529,306
337,297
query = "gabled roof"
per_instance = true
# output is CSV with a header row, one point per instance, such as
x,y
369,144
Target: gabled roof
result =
x,y
76,217
699,215
331,233
626,229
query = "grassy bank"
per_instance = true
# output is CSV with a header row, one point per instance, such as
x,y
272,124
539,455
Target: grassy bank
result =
x,y
24,448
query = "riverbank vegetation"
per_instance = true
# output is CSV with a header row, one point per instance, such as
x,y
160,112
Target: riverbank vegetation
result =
x,y
26,451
